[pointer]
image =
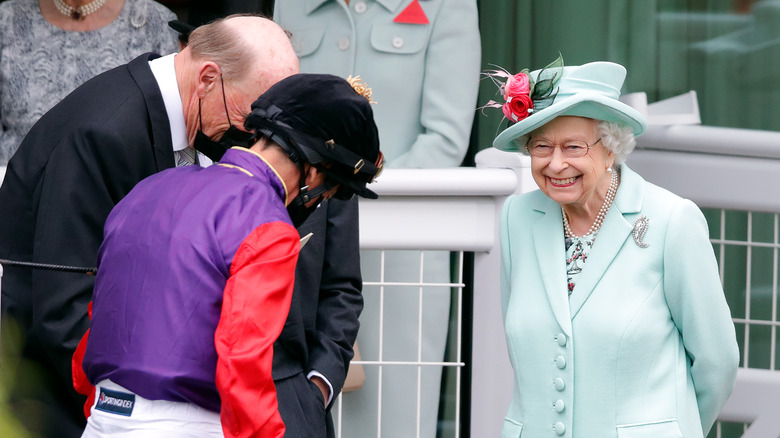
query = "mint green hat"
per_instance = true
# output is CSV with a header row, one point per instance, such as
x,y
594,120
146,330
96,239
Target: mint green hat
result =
x,y
589,90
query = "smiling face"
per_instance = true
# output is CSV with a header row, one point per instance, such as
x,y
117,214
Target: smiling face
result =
x,y
572,182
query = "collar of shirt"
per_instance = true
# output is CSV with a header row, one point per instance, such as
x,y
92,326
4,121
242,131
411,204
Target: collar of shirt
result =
x,y
255,166
165,74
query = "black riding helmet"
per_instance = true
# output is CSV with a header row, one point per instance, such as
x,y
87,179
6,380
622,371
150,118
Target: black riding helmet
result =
x,y
322,120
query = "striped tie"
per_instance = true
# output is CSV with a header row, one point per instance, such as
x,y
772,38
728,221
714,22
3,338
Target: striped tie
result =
x,y
185,157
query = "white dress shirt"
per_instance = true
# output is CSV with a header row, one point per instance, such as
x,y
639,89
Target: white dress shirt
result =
x,y
165,75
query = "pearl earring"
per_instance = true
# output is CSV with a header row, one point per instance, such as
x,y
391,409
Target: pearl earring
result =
x,y
609,169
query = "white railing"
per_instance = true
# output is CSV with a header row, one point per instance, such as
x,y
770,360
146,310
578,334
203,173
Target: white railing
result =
x,y
755,401
726,168
455,210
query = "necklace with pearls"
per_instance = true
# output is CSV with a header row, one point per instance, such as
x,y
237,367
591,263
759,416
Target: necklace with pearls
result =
x,y
79,12
594,229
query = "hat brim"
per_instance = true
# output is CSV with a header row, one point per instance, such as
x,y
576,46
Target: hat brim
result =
x,y
583,104
181,26
353,186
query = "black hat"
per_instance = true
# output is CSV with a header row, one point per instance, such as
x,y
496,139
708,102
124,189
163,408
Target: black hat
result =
x,y
321,119
184,30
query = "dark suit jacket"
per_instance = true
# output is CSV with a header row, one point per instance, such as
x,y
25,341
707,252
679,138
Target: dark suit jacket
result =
x,y
323,320
76,163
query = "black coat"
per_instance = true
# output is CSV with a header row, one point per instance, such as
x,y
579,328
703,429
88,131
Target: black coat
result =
x,y
76,163
323,320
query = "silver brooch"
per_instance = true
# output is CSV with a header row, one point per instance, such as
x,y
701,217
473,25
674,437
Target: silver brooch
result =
x,y
640,228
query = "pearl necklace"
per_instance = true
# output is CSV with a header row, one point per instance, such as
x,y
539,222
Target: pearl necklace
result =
x,y
594,229
79,12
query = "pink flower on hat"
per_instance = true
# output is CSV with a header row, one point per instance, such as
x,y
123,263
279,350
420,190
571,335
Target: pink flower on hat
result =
x,y
518,107
524,95
517,85
517,92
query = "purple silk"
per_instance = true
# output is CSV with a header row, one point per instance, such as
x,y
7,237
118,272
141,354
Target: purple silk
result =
x,y
162,269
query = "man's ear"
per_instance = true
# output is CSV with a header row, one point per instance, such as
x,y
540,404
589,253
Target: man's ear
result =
x,y
208,77
314,176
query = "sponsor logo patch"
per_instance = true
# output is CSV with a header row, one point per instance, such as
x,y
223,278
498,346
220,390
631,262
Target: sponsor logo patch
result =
x,y
116,402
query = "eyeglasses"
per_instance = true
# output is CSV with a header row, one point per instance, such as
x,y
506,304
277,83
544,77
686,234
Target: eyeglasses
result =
x,y
569,148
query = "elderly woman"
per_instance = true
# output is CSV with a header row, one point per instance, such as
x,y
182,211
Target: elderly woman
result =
x,y
615,317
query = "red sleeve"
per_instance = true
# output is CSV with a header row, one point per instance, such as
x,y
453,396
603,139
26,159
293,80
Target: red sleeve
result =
x,y
254,308
80,382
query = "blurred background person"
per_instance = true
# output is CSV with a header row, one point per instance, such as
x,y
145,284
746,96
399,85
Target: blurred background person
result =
x,y
50,47
615,317
422,62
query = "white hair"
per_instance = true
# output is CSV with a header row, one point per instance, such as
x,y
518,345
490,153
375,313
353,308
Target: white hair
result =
x,y
617,138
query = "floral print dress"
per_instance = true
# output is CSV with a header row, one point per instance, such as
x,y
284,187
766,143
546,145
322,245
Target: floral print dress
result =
x,y
577,250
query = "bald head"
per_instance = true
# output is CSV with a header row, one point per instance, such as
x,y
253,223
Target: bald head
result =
x,y
225,67
246,48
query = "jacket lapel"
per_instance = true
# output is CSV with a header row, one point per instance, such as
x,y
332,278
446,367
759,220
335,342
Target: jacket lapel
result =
x,y
160,127
390,5
616,229
312,5
550,254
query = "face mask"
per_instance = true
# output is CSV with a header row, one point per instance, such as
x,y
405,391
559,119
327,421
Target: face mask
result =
x,y
216,149
300,212
232,137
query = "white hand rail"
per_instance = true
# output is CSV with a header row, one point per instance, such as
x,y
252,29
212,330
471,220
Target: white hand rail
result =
x,y
715,167
755,400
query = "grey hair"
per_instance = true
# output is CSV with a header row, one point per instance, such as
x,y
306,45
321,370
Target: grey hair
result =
x,y
616,137
222,44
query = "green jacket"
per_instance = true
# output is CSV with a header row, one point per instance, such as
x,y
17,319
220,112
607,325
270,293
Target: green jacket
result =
x,y
424,77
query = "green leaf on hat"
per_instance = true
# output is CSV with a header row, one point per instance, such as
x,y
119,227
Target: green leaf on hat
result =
x,y
546,81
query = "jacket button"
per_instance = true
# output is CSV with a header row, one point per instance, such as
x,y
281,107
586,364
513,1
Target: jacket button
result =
x,y
398,42
360,7
559,428
560,362
559,406
344,43
561,339
559,384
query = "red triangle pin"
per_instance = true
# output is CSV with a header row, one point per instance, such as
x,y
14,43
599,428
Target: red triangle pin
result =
x,y
413,14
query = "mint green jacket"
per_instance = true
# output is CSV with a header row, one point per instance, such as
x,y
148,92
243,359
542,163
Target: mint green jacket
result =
x,y
645,346
424,77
